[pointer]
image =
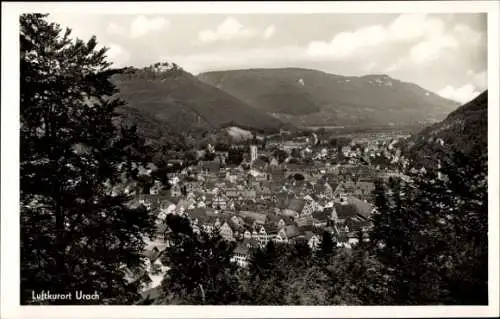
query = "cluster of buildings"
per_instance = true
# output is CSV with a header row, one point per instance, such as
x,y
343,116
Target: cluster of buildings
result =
x,y
382,152
264,199
281,202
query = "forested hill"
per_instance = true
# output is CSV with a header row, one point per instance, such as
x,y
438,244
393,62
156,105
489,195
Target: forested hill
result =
x,y
464,130
176,99
307,97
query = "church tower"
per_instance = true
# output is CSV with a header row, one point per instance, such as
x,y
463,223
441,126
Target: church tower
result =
x,y
253,153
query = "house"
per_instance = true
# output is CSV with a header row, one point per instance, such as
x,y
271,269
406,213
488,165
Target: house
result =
x,y
363,208
248,194
231,204
238,229
167,207
331,214
155,269
226,232
274,163
191,195
241,255
287,234
305,221
237,221
310,206
262,205
364,189
294,207
321,218
352,239
201,204
207,199
232,192
258,218
219,201
146,203
191,185
358,224
155,189
307,187
324,189
340,193
279,221
260,164
136,273
197,216
284,221
175,190
260,235
264,193
209,166
313,240
342,240
247,234
264,233
272,232
246,205
344,212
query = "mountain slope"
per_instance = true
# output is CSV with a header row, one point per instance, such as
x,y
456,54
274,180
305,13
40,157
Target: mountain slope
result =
x,y
309,97
181,102
465,129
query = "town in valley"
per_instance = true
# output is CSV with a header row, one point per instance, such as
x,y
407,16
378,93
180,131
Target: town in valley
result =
x,y
284,187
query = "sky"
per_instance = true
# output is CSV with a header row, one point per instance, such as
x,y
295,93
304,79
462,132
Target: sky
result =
x,y
444,53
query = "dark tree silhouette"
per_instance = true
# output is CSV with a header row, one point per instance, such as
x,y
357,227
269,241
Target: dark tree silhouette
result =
x,y
431,233
201,271
75,235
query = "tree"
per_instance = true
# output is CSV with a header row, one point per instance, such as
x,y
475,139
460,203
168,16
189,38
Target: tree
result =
x,y
339,142
280,155
161,174
75,235
326,246
235,156
309,288
209,156
296,153
266,285
264,142
431,233
298,177
201,269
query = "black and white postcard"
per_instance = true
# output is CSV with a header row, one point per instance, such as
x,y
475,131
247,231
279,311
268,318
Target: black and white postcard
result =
x,y
170,155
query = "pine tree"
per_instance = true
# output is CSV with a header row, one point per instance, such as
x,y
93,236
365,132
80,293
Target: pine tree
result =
x,y
75,235
430,233
201,271
326,247
267,276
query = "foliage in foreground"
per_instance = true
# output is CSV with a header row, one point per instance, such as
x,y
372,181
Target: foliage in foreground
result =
x,y
74,234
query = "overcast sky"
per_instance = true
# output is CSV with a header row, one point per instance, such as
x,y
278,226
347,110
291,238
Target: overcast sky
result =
x,y
444,53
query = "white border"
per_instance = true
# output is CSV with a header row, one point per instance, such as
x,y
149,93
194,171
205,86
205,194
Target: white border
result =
x,y
10,161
